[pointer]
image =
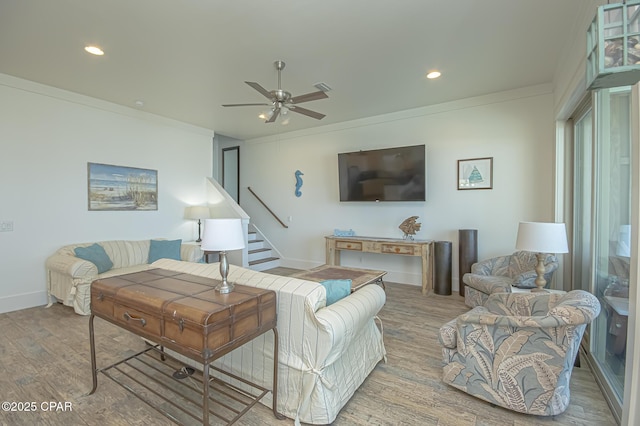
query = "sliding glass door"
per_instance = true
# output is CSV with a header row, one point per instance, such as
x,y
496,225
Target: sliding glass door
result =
x,y
602,231
612,234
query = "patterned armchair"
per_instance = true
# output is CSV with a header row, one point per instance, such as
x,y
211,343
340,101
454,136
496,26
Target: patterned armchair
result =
x,y
499,274
518,350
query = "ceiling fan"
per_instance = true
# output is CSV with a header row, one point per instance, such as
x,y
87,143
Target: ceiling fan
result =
x,y
281,101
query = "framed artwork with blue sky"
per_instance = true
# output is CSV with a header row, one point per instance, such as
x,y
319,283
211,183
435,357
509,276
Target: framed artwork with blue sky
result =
x,y
121,188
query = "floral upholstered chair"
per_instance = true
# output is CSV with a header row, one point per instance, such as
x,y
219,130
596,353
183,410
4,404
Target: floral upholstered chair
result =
x,y
518,350
500,274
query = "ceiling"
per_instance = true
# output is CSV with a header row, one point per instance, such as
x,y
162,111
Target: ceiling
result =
x,y
185,58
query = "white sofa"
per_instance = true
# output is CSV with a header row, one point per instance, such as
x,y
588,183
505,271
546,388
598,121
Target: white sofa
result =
x,y
69,278
325,352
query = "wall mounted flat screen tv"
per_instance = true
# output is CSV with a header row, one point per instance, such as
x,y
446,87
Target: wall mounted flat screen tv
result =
x,y
390,174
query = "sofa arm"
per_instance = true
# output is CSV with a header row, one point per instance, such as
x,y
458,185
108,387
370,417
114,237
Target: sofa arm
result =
x,y
191,252
448,335
344,319
72,266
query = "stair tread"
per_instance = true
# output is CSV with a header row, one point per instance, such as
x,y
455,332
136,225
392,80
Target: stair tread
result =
x,y
256,241
259,250
266,259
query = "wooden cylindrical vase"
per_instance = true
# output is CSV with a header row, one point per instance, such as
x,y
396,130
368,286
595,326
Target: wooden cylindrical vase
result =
x,y
467,253
442,263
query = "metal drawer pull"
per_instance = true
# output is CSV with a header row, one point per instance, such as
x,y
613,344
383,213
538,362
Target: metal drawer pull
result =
x,y
128,317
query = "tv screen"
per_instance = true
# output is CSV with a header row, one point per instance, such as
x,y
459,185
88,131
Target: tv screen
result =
x,y
391,174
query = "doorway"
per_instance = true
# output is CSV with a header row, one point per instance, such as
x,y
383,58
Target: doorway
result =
x,y
231,172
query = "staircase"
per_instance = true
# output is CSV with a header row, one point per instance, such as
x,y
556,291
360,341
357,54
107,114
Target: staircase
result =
x,y
261,255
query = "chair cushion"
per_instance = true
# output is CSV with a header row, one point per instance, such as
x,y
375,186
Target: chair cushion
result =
x,y
164,249
336,289
488,284
95,254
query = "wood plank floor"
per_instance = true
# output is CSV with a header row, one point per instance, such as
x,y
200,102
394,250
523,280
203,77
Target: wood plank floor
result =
x,y
45,357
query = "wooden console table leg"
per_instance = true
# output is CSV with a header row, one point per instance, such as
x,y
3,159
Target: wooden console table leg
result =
x,y
426,269
332,255
424,272
92,343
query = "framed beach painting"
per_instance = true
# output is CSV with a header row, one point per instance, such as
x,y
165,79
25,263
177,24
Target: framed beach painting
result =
x,y
121,188
475,173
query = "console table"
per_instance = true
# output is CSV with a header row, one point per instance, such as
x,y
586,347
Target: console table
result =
x,y
421,248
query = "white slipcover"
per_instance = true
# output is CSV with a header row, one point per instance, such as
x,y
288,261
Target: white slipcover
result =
x,y
325,352
69,278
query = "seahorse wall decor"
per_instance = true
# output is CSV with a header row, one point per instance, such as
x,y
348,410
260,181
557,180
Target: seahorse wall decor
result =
x,y
298,183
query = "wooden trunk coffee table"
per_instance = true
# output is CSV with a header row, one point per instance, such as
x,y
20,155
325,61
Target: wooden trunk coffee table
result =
x,y
358,277
184,313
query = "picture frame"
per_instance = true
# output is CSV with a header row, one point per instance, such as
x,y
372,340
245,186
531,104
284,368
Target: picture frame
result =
x,y
111,187
475,173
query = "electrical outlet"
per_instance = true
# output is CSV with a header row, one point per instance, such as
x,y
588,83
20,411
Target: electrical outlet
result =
x,y
6,226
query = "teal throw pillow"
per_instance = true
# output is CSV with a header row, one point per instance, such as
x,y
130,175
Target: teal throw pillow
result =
x,y
95,254
164,249
336,289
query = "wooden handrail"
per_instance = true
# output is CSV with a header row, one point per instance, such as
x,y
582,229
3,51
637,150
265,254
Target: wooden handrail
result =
x,y
266,207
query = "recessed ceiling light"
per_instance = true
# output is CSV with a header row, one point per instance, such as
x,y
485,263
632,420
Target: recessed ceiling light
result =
x,y
433,74
94,50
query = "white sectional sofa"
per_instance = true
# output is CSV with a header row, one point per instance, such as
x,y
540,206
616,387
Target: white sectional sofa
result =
x,y
325,352
69,278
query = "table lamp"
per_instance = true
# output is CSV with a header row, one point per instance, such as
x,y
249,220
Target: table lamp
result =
x,y
197,212
223,235
542,238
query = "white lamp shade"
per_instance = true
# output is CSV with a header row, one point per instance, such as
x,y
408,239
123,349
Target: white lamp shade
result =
x,y
197,212
541,237
222,235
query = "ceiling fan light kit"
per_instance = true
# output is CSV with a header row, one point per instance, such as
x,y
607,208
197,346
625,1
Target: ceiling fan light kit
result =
x,y
281,101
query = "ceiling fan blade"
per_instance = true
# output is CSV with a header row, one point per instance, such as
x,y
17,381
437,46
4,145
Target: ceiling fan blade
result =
x,y
260,89
309,97
308,112
235,105
274,116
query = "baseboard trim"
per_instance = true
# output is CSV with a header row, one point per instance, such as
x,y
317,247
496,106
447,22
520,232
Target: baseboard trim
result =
x,y
22,301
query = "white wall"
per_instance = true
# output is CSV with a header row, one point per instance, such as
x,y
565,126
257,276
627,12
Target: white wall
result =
x,y
47,137
569,78
515,128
